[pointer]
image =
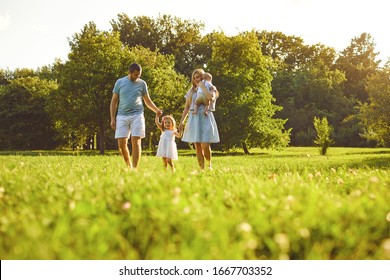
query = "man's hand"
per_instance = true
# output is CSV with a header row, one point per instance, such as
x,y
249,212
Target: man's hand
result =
x,y
113,124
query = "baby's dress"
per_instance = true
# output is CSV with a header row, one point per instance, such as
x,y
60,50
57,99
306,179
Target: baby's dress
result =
x,y
167,145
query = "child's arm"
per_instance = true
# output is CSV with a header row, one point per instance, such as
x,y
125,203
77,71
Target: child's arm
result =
x,y
179,134
157,121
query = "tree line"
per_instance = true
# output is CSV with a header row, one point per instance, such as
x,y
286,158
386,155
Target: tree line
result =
x,y
271,85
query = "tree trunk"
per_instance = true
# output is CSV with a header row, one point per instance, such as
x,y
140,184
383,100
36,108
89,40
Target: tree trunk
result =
x,y
101,140
245,148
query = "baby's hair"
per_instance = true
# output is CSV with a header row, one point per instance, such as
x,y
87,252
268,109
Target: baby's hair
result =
x,y
207,75
172,121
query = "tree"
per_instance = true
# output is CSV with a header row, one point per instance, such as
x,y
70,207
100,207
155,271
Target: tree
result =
x,y
324,130
97,59
358,61
81,105
166,34
245,109
305,84
24,122
375,113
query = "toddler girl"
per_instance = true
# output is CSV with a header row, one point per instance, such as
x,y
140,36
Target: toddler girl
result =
x,y
167,146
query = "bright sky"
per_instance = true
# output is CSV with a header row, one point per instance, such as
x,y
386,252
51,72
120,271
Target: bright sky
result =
x,y
33,33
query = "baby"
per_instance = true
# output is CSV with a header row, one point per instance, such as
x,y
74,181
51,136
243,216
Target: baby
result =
x,y
201,98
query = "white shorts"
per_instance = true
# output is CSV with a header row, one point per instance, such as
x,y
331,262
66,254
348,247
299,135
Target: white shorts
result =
x,y
126,125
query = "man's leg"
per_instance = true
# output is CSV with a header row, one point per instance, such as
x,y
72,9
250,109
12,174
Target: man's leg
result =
x,y
124,150
136,150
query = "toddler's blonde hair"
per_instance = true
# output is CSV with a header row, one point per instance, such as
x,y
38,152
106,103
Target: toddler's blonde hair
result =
x,y
172,121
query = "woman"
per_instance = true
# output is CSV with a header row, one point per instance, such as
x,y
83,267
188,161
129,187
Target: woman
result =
x,y
201,129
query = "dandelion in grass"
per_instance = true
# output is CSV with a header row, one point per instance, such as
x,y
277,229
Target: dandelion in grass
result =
x,y
244,227
186,210
374,180
353,172
356,193
126,206
340,181
251,244
388,217
283,242
72,204
386,247
304,233
176,191
272,177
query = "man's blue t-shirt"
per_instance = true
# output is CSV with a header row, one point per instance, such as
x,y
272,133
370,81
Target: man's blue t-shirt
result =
x,y
130,96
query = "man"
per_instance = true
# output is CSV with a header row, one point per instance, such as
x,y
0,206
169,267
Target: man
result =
x,y
127,97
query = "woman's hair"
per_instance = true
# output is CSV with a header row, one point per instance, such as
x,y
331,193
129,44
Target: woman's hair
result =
x,y
192,90
196,71
172,121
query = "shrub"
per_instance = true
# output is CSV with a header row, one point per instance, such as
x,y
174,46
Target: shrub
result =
x,y
323,140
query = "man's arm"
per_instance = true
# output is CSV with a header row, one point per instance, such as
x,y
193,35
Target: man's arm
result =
x,y
149,103
113,108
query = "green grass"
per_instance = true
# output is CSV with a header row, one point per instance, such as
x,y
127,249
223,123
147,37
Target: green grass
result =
x,y
291,204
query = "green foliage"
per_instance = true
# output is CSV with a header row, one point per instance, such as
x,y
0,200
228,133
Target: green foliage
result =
x,y
324,131
96,61
245,109
166,34
24,122
375,114
81,105
358,61
272,85
295,205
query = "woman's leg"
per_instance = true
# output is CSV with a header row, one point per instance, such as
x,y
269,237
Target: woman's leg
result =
x,y
207,153
199,154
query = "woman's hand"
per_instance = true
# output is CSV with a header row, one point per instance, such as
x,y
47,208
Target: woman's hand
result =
x,y
181,126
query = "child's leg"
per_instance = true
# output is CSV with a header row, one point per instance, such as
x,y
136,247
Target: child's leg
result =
x,y
206,107
165,162
170,162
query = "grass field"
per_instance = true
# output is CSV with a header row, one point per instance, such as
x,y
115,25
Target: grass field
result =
x,y
291,204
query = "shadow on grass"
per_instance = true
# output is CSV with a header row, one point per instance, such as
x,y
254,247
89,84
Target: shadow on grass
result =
x,y
382,163
369,152
56,153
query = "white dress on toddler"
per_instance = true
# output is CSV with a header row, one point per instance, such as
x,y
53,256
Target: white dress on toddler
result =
x,y
167,146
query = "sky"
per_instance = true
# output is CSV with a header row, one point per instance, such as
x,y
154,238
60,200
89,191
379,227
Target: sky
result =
x,y
33,33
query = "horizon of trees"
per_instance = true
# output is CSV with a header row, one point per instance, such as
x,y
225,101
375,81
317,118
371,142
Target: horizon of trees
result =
x,y
272,87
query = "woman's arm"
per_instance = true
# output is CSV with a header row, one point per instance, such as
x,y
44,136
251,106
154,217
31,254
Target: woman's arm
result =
x,y
184,115
179,134
209,95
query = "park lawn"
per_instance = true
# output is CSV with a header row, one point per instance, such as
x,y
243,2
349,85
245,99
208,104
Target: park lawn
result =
x,y
290,204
